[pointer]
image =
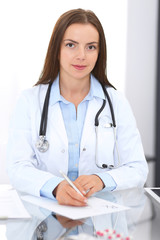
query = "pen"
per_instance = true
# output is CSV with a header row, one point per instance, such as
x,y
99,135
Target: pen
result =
x,y
70,183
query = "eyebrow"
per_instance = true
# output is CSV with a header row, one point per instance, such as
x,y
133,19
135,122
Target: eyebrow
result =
x,y
77,42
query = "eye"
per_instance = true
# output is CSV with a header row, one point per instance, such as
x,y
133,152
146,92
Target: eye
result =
x,y
70,45
91,47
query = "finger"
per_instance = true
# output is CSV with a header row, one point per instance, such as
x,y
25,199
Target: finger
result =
x,y
84,183
82,180
80,188
67,199
65,193
75,195
72,202
88,186
90,192
92,181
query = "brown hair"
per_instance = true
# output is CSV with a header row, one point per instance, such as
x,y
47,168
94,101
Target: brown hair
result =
x,y
51,65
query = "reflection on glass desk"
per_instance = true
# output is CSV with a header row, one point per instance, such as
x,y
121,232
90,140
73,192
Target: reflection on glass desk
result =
x,y
141,221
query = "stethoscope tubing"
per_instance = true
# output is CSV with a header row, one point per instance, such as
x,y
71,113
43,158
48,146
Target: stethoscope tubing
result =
x,y
43,144
110,105
44,117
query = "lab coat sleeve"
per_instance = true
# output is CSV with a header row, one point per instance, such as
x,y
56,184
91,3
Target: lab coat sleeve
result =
x,y
47,189
108,181
22,165
134,169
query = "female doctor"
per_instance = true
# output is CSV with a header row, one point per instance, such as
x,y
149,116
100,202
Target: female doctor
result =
x,y
73,120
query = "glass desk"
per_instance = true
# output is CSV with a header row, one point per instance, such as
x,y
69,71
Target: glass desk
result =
x,y
141,221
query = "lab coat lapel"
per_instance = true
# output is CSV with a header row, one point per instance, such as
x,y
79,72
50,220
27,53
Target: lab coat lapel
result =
x,y
57,123
89,127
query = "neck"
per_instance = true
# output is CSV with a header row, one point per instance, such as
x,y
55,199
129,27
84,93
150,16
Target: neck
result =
x,y
74,90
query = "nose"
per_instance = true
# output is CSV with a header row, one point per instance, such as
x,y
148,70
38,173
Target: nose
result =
x,y
81,54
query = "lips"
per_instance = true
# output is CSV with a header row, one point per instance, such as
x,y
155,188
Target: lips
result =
x,y
79,67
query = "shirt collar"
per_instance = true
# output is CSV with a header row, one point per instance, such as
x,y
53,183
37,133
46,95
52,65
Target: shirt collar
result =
x,y
95,91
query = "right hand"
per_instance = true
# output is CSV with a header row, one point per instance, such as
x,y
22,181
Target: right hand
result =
x,y
66,195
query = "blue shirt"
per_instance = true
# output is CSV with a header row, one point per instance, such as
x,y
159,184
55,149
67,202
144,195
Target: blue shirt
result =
x,y
74,122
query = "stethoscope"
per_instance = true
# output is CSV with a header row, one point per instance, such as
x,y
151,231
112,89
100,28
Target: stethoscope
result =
x,y
42,144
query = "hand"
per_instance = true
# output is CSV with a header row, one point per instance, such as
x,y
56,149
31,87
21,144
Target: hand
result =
x,y
90,184
66,195
67,222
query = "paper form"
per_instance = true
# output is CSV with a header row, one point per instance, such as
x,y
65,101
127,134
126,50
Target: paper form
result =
x,y
11,205
96,207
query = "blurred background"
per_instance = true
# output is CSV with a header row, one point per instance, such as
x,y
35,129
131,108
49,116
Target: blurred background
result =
x,y
131,29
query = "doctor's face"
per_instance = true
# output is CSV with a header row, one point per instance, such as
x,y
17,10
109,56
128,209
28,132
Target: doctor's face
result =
x,y
79,51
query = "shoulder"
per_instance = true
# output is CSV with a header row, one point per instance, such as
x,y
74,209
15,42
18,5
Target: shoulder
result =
x,y
120,104
29,99
33,94
34,91
116,96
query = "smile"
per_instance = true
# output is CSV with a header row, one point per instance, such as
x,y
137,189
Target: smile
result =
x,y
79,67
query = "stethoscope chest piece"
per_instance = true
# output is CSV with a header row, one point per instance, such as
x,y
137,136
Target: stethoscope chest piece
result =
x,y
42,144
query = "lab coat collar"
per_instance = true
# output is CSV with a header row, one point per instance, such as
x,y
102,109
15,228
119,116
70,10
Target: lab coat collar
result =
x,y
55,95
95,91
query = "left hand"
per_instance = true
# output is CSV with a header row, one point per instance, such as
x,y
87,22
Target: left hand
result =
x,y
90,184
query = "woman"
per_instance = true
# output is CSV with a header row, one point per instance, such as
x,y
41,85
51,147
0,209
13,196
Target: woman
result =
x,y
110,158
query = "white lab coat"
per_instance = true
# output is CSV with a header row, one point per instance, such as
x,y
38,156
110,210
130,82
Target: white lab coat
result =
x,y
30,169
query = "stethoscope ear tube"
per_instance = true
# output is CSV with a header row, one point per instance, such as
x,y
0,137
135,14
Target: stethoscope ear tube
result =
x,y
98,113
44,118
110,105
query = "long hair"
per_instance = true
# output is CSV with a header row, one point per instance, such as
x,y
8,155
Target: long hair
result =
x,y
51,64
